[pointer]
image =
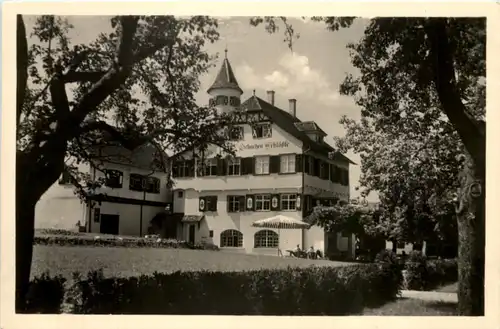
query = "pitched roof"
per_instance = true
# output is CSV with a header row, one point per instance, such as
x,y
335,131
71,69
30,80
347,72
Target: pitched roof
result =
x,y
287,122
225,78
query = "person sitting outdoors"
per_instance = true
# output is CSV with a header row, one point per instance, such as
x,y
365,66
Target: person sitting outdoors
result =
x,y
311,253
296,252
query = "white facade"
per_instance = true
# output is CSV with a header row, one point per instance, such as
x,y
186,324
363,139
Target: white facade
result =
x,y
233,230
60,208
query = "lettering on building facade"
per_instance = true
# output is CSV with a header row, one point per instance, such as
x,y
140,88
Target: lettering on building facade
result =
x,y
264,146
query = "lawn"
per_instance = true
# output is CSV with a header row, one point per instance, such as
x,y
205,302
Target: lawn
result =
x,y
124,262
414,307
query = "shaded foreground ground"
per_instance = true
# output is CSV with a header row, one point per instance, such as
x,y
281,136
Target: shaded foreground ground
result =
x,y
414,307
126,262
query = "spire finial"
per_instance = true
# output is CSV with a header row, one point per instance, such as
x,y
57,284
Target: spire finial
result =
x,y
225,51
254,92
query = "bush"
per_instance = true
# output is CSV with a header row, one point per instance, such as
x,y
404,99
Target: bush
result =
x,y
87,240
424,274
45,294
293,291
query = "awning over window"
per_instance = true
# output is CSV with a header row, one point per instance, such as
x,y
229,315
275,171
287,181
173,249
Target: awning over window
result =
x,y
192,218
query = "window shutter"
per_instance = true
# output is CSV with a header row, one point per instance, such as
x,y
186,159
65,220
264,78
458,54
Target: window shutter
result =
x,y
332,172
228,204
202,204
241,201
346,177
252,170
274,164
275,202
191,168
221,167
246,166
175,166
316,167
249,202
299,167
243,166
213,203
307,165
336,176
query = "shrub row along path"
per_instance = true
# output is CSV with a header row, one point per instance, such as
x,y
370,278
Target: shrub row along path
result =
x,y
125,262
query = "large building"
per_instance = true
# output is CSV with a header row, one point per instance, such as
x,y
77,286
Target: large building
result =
x,y
282,166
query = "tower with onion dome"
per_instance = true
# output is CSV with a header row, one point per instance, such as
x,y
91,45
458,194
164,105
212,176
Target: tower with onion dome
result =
x,y
225,92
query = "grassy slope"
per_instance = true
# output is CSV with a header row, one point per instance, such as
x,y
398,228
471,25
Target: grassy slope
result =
x,y
135,261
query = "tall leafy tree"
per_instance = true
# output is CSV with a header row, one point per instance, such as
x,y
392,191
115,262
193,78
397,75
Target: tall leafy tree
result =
x,y
421,83
130,87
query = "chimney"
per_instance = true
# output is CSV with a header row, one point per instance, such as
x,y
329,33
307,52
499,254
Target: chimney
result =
x,y
270,97
293,107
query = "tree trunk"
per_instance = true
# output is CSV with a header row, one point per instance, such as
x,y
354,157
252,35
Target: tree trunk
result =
x,y
33,179
25,223
471,246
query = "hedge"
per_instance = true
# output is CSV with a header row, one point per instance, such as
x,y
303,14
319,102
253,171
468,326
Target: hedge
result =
x,y
82,240
424,274
293,291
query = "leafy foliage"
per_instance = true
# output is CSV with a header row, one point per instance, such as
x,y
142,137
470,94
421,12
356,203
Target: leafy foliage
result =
x,y
424,274
421,88
152,100
350,217
292,291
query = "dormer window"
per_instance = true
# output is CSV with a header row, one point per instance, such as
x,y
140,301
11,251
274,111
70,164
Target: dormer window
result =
x,y
236,133
263,130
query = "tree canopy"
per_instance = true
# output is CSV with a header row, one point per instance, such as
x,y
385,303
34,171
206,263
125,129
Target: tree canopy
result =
x,y
150,100
420,85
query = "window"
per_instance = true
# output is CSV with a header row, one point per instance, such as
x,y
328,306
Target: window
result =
x,y
235,203
181,169
263,202
180,194
114,178
234,167
209,168
263,130
400,245
288,201
236,133
287,163
65,178
152,185
262,165
234,101
231,238
136,182
211,203
266,239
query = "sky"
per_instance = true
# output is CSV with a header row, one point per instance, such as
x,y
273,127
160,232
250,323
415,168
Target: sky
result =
x,y
312,73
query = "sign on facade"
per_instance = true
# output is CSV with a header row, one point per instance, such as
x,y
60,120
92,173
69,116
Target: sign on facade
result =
x,y
264,146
